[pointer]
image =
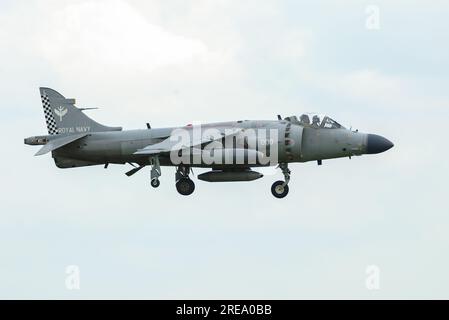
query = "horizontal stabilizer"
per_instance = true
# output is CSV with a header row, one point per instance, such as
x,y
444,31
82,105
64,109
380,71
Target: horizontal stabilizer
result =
x,y
59,142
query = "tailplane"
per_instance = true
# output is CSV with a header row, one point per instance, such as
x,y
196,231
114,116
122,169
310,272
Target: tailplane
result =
x,y
62,117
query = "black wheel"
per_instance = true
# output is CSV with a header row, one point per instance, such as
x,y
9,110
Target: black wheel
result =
x,y
185,186
155,183
279,190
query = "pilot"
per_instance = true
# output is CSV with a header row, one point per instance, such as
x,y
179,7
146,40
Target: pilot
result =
x,y
316,121
305,119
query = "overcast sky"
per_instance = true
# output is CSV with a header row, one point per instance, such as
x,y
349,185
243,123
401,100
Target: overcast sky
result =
x,y
175,62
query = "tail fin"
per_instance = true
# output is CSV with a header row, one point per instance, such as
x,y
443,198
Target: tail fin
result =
x,y
62,116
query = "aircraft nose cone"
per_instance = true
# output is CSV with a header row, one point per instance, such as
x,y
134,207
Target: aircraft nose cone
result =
x,y
377,144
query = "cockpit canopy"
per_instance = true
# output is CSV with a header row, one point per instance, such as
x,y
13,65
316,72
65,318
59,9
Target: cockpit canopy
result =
x,y
315,121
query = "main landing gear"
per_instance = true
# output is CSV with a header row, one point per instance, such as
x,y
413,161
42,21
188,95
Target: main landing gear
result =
x,y
184,184
279,189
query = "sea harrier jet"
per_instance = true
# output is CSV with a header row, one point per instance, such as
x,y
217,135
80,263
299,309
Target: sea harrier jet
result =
x,y
230,149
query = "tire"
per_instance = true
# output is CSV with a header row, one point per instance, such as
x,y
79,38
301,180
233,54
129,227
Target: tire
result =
x,y
185,186
155,183
279,190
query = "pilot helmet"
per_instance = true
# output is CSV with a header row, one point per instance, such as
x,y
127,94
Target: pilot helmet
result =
x,y
305,119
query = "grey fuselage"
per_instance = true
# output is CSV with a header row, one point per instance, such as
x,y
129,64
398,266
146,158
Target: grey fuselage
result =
x,y
295,143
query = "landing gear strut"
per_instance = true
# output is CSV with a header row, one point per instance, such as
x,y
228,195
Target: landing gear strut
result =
x,y
279,189
155,172
184,184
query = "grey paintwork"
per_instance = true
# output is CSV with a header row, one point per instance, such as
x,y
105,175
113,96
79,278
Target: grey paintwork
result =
x,y
119,146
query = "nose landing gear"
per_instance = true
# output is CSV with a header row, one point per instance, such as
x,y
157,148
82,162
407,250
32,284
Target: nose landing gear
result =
x,y
279,189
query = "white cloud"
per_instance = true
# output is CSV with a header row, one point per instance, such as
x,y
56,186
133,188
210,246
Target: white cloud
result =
x,y
109,34
75,46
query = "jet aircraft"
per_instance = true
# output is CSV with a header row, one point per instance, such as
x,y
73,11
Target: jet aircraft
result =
x,y
230,149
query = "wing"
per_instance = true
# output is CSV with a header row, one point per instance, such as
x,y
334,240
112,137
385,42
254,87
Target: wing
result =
x,y
172,143
59,142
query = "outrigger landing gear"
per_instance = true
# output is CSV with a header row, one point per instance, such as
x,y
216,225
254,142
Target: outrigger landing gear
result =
x,y
279,189
155,172
184,184
155,182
